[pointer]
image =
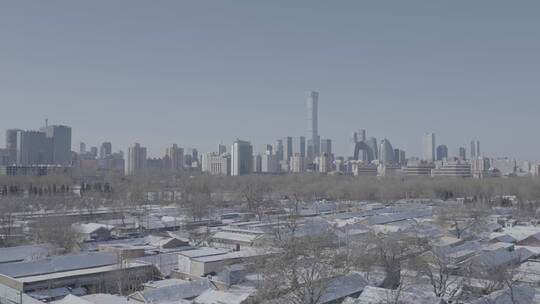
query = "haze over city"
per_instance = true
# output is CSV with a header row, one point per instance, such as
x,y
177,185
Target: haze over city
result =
x,y
204,73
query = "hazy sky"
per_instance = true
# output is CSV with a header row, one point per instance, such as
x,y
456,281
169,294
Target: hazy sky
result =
x,y
199,72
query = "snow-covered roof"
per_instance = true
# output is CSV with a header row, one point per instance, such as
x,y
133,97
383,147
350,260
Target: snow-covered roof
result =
x,y
521,294
343,286
58,263
182,290
90,227
25,253
221,297
375,295
235,237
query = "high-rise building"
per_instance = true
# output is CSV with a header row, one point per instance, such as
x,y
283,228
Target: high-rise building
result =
x,y
462,153
299,145
11,145
222,149
34,148
94,151
266,148
475,149
216,163
386,152
241,158
442,152
61,143
174,158
278,149
429,147
324,162
298,163
372,144
136,159
312,131
326,146
399,157
105,150
257,163
287,148
82,148
269,163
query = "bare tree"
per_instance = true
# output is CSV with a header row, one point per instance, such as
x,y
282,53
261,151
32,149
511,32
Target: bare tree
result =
x,y
300,273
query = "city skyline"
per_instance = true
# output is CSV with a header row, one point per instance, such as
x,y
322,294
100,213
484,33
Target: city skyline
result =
x,y
117,80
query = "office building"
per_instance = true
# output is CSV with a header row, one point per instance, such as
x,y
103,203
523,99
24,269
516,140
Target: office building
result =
x,y
34,148
429,147
312,131
241,158
216,163
442,152
278,149
222,149
298,163
386,154
299,146
462,152
417,168
475,149
506,166
257,163
372,144
326,146
452,168
174,158
136,159
399,157
61,143
11,145
324,162
105,150
287,148
82,148
269,163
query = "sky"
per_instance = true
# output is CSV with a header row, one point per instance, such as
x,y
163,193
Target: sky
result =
x,y
200,73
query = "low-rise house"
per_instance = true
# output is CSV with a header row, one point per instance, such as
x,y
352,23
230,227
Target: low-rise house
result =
x,y
180,290
93,232
521,294
222,297
92,271
532,240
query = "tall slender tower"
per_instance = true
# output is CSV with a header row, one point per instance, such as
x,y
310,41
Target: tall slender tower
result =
x,y
429,147
312,121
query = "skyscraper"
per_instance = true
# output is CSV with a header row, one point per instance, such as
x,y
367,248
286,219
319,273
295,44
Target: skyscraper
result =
x,y
174,158
442,152
462,153
11,145
136,159
241,158
33,148
278,149
372,144
475,149
386,152
326,146
429,147
61,143
82,147
312,132
299,146
105,150
287,148
222,149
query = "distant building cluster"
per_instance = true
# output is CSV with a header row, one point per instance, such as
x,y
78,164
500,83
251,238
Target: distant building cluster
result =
x,y
48,151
